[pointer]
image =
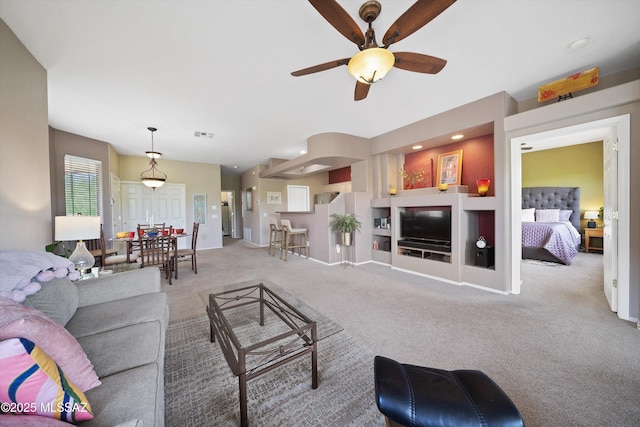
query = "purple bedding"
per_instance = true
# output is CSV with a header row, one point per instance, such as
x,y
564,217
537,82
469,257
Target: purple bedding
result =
x,y
561,239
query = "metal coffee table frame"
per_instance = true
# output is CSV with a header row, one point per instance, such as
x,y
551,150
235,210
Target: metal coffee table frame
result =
x,y
302,328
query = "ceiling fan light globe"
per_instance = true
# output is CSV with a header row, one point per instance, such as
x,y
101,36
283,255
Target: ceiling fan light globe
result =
x,y
371,64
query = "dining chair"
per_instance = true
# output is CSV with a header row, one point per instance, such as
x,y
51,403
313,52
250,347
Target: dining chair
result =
x,y
110,259
98,249
188,252
157,251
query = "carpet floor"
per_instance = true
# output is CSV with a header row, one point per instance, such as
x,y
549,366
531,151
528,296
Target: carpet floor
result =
x,y
556,349
201,390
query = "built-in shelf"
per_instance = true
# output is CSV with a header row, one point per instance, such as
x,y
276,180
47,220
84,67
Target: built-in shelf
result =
x,y
478,203
381,232
381,203
380,256
478,222
425,254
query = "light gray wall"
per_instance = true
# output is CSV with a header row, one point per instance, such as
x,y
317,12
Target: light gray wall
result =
x,y
25,201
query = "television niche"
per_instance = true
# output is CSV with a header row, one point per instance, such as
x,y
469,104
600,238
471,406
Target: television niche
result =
x,y
427,229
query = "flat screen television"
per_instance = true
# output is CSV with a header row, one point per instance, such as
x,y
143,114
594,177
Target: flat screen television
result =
x,y
426,225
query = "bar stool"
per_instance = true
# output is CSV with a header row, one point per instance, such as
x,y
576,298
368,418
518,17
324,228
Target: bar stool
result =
x,y
275,236
293,238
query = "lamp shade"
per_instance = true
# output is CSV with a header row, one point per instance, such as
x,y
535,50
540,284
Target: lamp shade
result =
x,y
371,64
590,214
69,228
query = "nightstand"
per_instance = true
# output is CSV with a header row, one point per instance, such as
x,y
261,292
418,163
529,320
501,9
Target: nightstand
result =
x,y
588,234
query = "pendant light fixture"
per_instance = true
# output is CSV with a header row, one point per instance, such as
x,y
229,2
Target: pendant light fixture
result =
x,y
153,177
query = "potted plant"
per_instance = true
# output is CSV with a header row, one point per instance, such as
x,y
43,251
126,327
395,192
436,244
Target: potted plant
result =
x,y
345,224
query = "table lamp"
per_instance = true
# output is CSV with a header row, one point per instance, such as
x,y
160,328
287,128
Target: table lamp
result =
x,y
78,227
591,215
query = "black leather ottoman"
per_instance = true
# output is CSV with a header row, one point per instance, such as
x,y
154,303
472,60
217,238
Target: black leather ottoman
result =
x,y
411,395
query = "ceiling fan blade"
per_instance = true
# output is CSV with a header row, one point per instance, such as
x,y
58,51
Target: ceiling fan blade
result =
x,y
418,62
321,67
362,90
339,19
416,17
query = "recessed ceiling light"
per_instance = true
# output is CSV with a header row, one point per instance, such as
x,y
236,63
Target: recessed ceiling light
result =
x,y
416,147
303,151
458,136
235,166
580,43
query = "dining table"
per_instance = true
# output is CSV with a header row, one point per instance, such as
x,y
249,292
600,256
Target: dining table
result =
x,y
131,240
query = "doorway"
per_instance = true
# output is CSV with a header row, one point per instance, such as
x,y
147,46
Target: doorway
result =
x,y
228,214
615,132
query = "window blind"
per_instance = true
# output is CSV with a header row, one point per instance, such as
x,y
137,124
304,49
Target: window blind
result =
x,y
82,190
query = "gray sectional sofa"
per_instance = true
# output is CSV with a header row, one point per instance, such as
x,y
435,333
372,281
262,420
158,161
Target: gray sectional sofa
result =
x,y
120,321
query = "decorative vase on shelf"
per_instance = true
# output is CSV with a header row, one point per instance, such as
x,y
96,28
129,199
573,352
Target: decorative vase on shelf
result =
x,y
410,179
483,186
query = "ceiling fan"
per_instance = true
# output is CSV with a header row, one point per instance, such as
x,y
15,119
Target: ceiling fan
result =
x,y
373,62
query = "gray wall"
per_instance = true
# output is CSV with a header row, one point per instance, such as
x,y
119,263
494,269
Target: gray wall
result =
x,y
25,201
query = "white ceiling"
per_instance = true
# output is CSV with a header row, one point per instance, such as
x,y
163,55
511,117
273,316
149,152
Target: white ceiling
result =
x,y
223,66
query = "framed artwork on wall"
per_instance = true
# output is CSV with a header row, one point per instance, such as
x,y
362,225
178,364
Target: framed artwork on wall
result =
x,y
200,208
274,197
449,168
249,194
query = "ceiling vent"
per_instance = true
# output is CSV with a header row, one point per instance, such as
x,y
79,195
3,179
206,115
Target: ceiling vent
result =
x,y
198,134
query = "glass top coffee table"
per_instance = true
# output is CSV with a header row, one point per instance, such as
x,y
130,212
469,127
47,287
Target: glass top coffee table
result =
x,y
259,331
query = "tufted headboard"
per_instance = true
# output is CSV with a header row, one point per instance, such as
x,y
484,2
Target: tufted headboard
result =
x,y
554,198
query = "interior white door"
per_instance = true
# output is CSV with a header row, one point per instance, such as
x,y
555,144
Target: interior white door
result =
x,y
610,239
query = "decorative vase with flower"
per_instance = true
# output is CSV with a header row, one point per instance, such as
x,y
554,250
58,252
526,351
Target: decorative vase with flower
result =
x,y
411,178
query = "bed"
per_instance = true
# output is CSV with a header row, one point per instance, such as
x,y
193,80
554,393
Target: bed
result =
x,y
554,234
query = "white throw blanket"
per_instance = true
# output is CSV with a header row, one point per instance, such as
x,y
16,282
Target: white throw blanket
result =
x,y
21,272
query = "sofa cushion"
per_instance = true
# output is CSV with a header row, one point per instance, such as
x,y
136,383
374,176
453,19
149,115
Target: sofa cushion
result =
x,y
32,381
19,321
57,299
110,315
118,286
129,396
124,348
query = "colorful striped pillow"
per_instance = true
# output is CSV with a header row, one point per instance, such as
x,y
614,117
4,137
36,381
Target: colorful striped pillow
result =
x,y
31,383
